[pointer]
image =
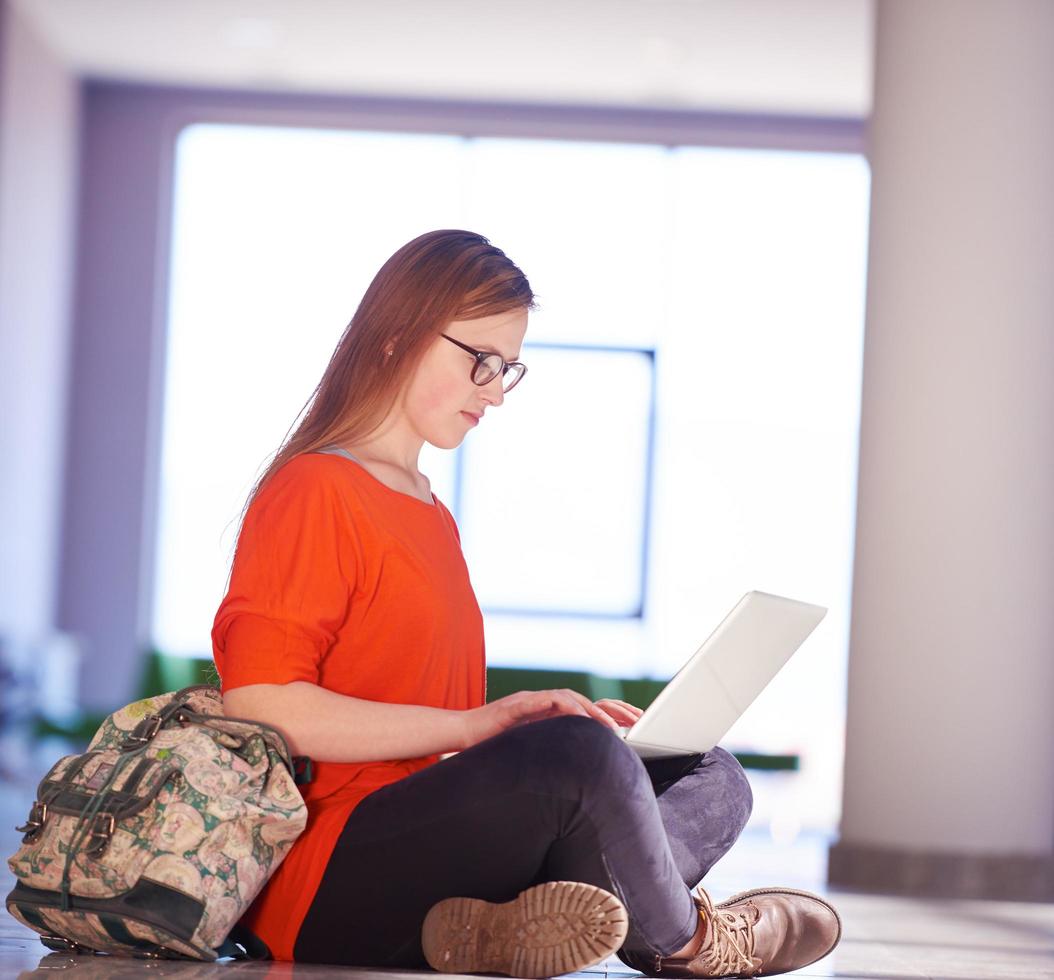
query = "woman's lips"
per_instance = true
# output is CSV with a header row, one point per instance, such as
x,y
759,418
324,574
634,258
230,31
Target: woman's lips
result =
x,y
471,418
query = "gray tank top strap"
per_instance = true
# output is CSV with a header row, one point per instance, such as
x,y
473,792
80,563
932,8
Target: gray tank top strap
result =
x,y
338,451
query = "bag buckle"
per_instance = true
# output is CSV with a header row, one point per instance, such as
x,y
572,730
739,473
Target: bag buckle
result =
x,y
142,733
101,832
34,824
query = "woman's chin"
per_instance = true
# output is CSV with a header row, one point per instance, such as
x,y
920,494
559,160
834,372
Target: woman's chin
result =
x,y
448,441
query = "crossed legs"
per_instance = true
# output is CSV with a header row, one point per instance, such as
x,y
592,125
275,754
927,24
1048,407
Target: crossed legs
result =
x,y
561,799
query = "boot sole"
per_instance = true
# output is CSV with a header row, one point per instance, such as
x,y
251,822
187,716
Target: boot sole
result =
x,y
553,928
790,891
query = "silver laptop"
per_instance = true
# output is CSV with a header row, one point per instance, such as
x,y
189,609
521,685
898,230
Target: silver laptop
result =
x,y
708,694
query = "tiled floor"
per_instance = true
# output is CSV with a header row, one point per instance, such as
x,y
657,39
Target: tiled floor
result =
x,y
883,939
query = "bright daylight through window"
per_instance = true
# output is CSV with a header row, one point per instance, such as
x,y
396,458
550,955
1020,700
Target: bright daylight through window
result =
x,y
687,430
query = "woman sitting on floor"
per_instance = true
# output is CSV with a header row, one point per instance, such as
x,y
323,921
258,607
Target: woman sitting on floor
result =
x,y
543,844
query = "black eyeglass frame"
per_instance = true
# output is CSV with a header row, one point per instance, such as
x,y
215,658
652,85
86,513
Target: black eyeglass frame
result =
x,y
481,356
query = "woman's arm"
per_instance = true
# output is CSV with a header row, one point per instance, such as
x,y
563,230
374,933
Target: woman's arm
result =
x,y
331,727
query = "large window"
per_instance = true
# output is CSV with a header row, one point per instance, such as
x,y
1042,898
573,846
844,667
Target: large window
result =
x,y
687,431
553,502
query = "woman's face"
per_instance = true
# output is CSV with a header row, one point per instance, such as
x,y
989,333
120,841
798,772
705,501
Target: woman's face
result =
x,y
441,398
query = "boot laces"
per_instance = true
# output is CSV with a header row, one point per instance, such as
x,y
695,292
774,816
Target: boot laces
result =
x,y
730,946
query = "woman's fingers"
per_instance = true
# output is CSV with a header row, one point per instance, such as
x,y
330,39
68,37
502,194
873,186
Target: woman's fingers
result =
x,y
623,713
631,708
551,704
572,703
596,711
537,705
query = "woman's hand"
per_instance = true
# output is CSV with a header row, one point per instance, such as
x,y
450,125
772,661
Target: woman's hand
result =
x,y
622,712
526,706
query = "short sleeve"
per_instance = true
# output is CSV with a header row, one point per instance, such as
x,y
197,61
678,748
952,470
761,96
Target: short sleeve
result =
x,y
291,581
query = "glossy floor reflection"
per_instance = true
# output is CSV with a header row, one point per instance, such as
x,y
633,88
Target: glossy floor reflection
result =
x,y
884,938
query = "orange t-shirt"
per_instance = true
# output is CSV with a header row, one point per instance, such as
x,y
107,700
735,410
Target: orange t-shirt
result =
x,y
344,582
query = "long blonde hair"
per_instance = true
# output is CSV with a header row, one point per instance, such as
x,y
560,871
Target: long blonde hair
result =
x,y
438,277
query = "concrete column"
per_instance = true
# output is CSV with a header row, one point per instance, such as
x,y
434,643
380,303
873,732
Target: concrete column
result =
x,y
949,778
39,120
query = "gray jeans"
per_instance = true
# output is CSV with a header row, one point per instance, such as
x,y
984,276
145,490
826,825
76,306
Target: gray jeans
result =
x,y
557,800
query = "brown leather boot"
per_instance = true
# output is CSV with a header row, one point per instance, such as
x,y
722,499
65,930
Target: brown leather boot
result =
x,y
553,928
754,934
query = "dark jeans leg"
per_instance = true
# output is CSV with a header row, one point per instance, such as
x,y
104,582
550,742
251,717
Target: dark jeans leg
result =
x,y
705,802
704,808
561,799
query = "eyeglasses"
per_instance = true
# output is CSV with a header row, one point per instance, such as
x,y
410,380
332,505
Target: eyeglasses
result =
x,y
489,365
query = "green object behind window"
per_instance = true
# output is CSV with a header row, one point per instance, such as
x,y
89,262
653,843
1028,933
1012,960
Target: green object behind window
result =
x,y
164,673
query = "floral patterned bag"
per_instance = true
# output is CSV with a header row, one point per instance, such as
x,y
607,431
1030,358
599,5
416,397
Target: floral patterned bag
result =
x,y
156,840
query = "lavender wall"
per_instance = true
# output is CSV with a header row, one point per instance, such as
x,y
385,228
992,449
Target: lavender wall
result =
x,y
38,154
115,389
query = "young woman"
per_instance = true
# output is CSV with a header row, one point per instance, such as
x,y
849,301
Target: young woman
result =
x,y
517,836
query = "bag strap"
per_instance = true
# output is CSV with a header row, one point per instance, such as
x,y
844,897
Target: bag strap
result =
x,y
86,824
141,735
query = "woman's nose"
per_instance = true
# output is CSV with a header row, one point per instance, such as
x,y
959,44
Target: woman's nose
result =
x,y
494,392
